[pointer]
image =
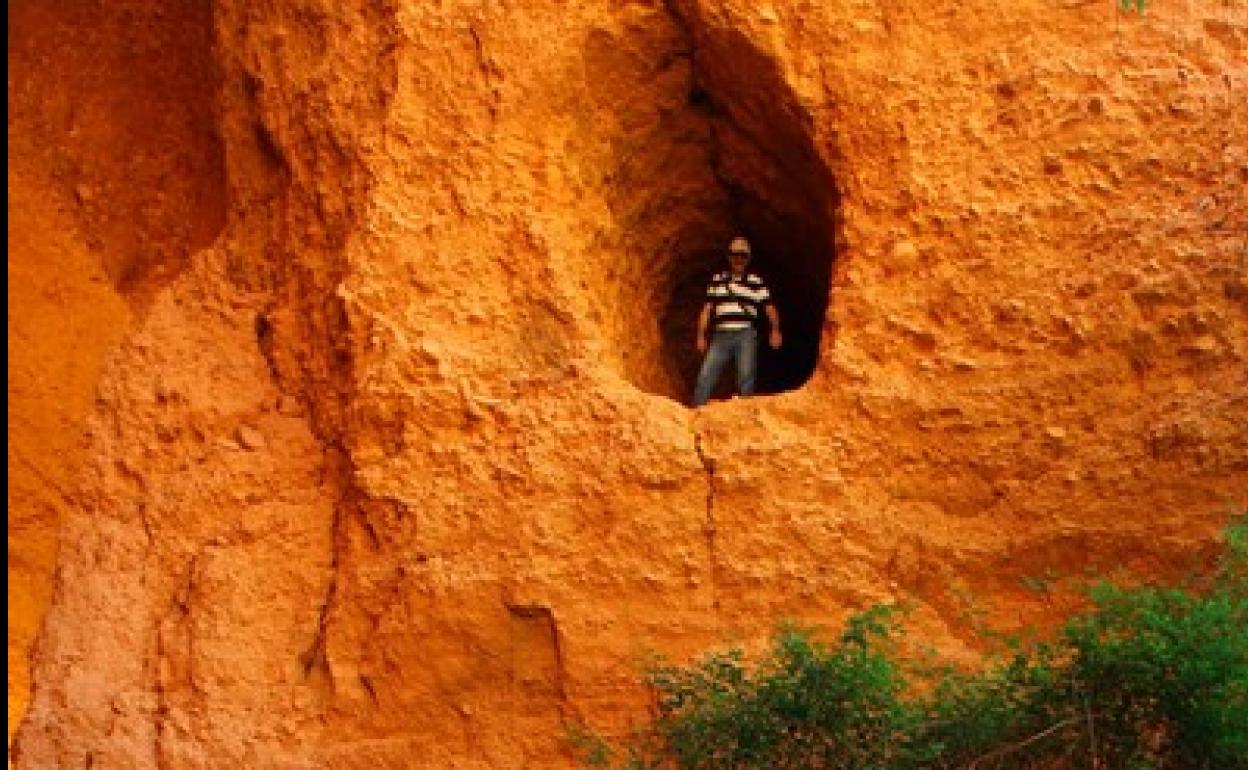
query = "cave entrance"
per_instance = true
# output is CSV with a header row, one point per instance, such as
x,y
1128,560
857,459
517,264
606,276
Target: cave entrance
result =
x,y
761,176
794,255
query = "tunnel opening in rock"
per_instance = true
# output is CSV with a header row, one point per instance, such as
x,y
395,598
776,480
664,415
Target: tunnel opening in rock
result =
x,y
793,253
736,155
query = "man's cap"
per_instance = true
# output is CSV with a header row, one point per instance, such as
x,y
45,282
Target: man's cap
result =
x,y
739,245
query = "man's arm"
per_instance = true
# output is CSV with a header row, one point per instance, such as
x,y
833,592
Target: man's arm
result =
x,y
704,319
773,317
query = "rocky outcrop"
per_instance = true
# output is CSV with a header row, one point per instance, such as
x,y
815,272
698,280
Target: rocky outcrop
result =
x,y
393,468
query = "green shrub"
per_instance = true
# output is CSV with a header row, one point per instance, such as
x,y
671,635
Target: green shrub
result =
x,y
1149,678
805,702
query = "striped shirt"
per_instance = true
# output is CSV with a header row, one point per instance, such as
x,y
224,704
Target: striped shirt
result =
x,y
735,301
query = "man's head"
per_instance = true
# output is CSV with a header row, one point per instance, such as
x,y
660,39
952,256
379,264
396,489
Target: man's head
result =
x,y
738,254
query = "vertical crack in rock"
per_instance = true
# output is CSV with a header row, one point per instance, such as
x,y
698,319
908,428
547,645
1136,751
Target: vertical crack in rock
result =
x,y
709,529
316,151
316,657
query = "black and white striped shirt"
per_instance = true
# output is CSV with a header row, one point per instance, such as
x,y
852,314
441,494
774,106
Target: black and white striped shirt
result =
x,y
735,302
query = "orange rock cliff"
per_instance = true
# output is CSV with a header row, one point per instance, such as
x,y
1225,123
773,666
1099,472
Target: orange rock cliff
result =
x,y
350,344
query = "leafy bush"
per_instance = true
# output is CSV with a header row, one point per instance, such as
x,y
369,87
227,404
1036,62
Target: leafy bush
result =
x,y
1149,678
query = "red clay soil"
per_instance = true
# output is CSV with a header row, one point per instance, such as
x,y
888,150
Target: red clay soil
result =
x,y
350,346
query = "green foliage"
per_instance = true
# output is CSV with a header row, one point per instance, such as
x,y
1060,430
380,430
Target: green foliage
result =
x,y
1129,5
805,700
1149,678
1165,673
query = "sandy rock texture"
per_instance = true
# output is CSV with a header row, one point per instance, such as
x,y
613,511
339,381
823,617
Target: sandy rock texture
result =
x,y
381,457
115,177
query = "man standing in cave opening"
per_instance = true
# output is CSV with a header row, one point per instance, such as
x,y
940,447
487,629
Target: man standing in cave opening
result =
x,y
733,299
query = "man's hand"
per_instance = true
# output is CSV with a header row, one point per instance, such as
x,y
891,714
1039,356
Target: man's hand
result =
x,y
704,320
773,320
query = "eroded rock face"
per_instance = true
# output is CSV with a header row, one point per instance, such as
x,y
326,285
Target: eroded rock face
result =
x,y
396,472
115,176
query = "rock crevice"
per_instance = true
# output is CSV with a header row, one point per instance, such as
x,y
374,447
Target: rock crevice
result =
x,y
710,529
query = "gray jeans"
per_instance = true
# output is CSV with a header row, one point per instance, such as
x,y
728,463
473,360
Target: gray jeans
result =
x,y
741,344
